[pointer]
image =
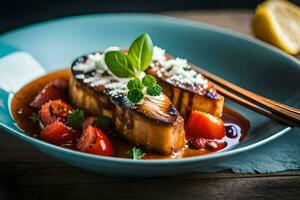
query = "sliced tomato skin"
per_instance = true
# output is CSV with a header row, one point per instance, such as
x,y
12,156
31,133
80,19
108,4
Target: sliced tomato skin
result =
x,y
95,142
56,89
203,125
58,133
106,128
54,110
88,121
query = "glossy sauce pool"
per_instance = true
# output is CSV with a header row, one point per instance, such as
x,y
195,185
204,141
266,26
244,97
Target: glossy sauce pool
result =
x,y
236,125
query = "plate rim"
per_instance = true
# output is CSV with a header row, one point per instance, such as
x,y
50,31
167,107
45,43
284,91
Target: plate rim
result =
x,y
166,19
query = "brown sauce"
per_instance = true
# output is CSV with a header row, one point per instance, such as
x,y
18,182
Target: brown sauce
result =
x,y
236,125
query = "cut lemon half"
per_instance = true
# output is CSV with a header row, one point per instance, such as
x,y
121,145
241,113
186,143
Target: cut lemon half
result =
x,y
278,22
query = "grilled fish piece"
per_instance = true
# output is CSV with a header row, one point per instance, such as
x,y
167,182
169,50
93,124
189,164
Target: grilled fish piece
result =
x,y
154,123
187,89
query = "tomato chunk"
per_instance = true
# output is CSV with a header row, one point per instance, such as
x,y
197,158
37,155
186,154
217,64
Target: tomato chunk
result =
x,y
58,133
56,89
88,121
54,110
203,125
95,142
101,123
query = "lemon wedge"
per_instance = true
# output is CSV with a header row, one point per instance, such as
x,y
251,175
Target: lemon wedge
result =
x,y
278,22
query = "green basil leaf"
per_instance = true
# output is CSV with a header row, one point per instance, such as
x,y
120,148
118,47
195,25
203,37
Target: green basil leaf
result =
x,y
140,52
119,64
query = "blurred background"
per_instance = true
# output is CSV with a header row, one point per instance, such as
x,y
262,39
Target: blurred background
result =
x,y
16,13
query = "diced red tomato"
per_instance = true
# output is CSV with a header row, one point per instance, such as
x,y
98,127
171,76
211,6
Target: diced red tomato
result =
x,y
54,110
203,125
58,133
95,142
54,90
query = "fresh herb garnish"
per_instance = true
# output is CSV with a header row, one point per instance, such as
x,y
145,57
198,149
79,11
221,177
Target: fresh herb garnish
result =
x,y
35,117
170,68
154,90
76,118
135,95
119,64
101,121
135,84
135,153
131,65
149,81
140,52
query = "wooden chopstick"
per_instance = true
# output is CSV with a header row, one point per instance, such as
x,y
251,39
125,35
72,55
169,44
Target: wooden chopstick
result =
x,y
253,107
275,110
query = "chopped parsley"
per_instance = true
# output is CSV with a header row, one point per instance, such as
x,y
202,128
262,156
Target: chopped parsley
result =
x,y
76,118
101,121
187,68
35,117
154,90
149,81
135,95
170,68
135,84
135,153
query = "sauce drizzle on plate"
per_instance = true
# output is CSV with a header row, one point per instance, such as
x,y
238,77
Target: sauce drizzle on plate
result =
x,y
236,126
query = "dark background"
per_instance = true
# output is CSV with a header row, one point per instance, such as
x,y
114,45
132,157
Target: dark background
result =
x,y
15,13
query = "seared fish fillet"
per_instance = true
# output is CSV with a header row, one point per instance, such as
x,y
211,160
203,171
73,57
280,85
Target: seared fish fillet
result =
x,y
154,123
187,89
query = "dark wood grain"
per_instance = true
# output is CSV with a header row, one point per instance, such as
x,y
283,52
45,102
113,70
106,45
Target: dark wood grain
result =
x,y
28,174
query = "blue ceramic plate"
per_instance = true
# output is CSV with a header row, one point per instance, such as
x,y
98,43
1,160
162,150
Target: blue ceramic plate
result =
x,y
239,59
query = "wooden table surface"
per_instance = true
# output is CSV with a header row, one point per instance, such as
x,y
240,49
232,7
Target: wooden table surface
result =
x,y
28,174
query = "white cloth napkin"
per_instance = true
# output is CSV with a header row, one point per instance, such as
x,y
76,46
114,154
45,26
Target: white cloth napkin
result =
x,y
17,69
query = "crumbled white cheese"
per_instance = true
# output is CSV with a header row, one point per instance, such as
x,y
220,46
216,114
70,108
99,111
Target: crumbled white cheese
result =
x,y
80,76
158,54
174,66
90,79
101,65
177,69
94,57
98,82
84,67
120,84
113,84
112,49
95,61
